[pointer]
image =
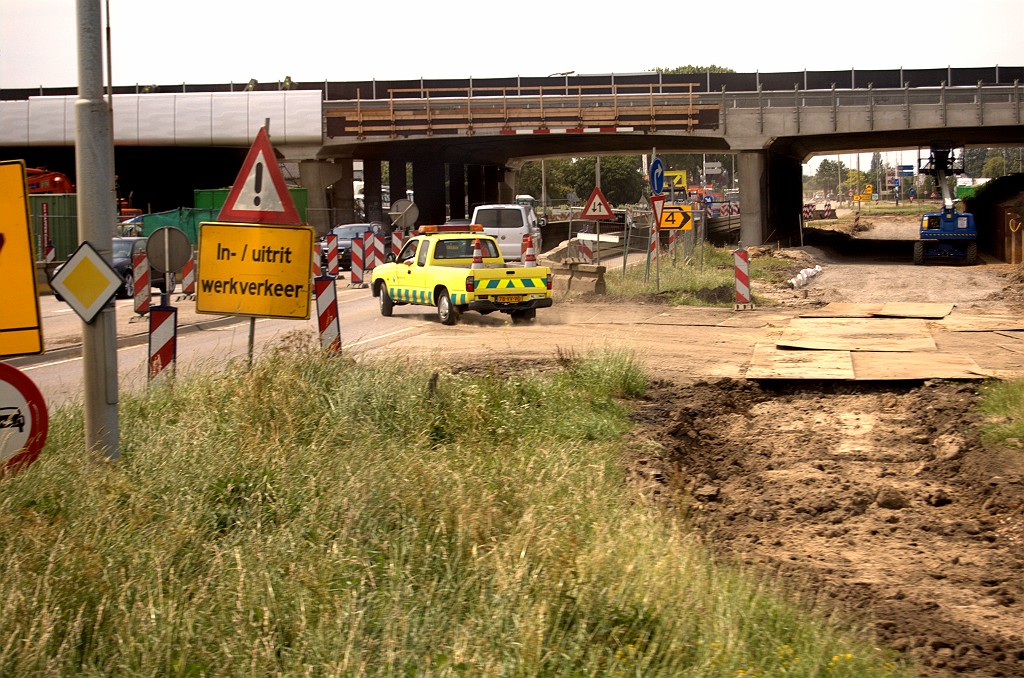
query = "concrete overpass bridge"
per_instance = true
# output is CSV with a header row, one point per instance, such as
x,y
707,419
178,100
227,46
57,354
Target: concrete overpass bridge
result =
x,y
465,139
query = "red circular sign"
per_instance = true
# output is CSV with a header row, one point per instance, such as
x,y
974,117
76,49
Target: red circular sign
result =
x,y
23,420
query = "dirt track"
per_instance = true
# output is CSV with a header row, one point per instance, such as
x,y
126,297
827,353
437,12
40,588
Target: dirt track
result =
x,y
877,499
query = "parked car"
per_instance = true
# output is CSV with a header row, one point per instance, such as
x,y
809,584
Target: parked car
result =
x,y
124,251
345,233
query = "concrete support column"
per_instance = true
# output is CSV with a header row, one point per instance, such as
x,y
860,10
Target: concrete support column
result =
x,y
491,184
316,177
457,191
508,181
396,180
785,183
428,183
375,210
474,186
343,195
752,167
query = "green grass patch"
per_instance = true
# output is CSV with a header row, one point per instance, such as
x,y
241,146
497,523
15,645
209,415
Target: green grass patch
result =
x,y
707,279
317,516
1003,402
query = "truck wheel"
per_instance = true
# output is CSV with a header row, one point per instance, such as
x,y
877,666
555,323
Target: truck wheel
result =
x,y
972,253
386,304
918,253
446,311
524,316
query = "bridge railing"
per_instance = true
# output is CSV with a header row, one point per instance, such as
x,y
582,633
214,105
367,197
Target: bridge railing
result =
x,y
562,108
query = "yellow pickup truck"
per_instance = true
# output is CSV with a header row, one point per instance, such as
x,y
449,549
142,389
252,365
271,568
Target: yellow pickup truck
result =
x,y
436,268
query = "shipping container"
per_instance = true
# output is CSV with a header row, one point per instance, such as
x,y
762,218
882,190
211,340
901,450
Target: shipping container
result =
x,y
213,199
54,218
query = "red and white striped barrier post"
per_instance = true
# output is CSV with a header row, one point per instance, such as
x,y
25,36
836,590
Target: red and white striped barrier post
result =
x,y
327,314
140,275
188,278
856,221
163,340
585,252
355,278
396,243
672,243
332,255
808,211
529,256
373,252
741,263
827,211
51,252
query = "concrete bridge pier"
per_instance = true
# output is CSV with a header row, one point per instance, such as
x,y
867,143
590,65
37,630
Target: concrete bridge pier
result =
x,y
457,191
778,219
752,170
428,178
329,191
375,209
398,184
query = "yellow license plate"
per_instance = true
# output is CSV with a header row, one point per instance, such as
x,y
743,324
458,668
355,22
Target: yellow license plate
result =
x,y
510,298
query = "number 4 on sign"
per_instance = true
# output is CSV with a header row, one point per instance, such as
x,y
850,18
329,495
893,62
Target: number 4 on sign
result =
x,y
597,207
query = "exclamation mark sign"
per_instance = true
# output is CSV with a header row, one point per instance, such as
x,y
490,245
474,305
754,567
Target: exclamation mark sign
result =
x,y
259,183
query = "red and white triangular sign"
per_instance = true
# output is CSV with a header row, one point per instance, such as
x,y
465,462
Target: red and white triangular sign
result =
x,y
657,205
259,194
597,207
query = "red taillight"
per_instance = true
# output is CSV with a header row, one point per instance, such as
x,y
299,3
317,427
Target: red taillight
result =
x,y
547,281
470,283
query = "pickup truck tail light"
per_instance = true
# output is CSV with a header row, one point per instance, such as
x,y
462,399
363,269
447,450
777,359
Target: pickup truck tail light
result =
x,y
471,283
547,281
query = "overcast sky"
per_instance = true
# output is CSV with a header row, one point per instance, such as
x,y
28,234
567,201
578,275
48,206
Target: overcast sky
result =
x,y
216,41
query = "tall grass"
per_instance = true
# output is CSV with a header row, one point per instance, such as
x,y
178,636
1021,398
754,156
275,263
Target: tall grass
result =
x,y
317,516
704,279
1003,401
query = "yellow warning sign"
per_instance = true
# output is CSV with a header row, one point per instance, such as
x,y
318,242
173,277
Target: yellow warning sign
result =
x,y
21,327
677,217
254,270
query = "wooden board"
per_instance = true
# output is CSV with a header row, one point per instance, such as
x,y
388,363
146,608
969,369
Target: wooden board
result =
x,y
841,309
857,334
980,323
769,362
910,309
874,366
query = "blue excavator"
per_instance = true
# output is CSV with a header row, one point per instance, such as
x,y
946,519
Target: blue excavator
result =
x,y
947,234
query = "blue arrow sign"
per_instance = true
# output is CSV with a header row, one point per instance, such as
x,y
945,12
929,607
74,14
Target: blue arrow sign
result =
x,y
657,174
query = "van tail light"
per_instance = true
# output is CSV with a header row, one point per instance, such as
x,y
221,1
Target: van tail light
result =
x,y
547,281
470,283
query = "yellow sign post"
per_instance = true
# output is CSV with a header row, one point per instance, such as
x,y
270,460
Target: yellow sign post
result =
x,y
21,326
677,217
254,270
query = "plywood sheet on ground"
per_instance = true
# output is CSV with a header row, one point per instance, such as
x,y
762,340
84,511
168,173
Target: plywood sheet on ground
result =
x,y
857,334
842,309
756,319
911,309
770,362
872,366
980,323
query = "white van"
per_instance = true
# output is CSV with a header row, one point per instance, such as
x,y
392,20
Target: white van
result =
x,y
508,224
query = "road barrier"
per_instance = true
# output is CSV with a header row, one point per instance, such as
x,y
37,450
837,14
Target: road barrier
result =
x,y
163,340
327,313
396,243
355,278
140,275
332,255
188,277
741,261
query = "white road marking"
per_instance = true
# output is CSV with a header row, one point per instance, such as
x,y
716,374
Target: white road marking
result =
x,y
384,336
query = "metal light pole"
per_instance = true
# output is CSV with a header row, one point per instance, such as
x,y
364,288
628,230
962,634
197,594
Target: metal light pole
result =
x,y
97,214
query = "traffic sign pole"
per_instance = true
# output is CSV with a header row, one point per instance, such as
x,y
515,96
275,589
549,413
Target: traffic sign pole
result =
x,y
94,167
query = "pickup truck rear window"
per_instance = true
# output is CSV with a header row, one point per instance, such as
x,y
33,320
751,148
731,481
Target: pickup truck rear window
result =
x,y
463,249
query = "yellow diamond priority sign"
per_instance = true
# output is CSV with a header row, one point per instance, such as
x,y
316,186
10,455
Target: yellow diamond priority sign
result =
x,y
87,282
